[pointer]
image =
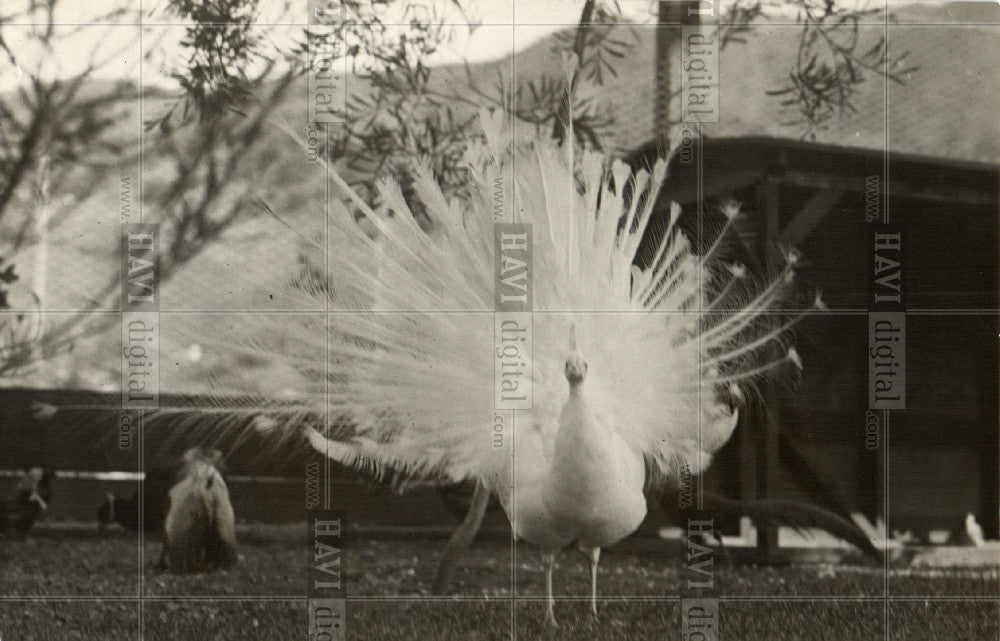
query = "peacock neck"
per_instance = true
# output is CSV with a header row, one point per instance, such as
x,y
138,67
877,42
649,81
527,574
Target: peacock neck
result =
x,y
587,465
576,425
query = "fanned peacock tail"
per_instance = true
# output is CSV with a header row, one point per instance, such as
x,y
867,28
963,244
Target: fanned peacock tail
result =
x,y
405,368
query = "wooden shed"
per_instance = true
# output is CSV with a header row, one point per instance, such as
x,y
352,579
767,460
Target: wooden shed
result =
x,y
923,155
942,448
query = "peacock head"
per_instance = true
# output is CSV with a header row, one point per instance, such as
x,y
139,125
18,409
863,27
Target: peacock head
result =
x,y
576,365
576,368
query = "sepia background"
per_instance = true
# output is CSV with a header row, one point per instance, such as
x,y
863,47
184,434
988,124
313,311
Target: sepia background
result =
x,y
834,120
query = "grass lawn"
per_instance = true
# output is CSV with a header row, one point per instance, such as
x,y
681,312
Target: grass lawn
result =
x,y
69,584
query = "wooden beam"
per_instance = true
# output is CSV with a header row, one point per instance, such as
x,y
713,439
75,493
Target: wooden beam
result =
x,y
672,15
810,215
720,184
898,188
769,204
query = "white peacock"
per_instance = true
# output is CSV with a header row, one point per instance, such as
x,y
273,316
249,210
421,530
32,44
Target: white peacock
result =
x,y
632,368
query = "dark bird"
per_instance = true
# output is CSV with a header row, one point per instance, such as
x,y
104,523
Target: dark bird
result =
x,y
776,513
27,502
125,511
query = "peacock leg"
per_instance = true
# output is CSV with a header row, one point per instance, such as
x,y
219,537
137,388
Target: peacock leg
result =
x,y
593,556
717,535
550,613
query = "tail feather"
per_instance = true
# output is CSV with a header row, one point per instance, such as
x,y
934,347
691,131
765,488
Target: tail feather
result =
x,y
397,367
787,513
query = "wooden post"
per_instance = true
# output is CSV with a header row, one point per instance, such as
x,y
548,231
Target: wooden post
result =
x,y
672,15
769,203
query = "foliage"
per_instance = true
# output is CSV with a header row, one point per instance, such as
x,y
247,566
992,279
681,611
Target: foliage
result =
x,y
221,45
400,113
832,64
395,115
50,125
56,124
62,119
7,276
